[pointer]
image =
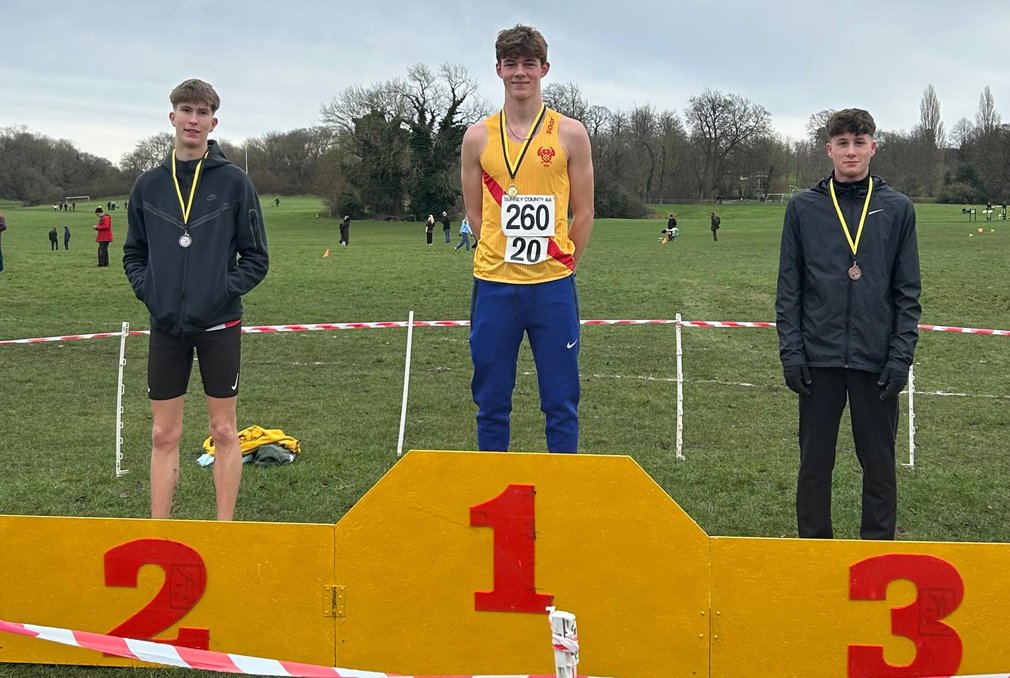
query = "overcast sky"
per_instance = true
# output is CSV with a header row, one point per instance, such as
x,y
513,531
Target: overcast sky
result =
x,y
98,73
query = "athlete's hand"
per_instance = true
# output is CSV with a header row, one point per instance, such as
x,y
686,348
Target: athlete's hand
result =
x,y
797,378
891,381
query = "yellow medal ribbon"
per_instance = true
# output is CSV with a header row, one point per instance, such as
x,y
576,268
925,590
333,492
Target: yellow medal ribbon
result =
x,y
502,124
192,191
853,244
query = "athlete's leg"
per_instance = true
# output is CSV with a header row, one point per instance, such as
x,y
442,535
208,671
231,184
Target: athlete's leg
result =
x,y
820,415
169,361
495,336
227,454
874,429
553,329
220,354
166,432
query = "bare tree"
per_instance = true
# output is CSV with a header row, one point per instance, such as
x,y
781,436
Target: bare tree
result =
x,y
962,133
147,154
930,126
432,109
566,98
988,119
817,126
721,126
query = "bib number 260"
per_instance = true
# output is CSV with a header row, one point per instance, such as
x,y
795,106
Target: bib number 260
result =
x,y
528,223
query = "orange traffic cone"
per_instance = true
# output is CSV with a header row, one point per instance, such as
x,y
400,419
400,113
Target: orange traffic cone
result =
x,y
326,253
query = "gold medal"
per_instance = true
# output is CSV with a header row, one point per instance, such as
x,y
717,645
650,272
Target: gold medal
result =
x,y
854,272
513,166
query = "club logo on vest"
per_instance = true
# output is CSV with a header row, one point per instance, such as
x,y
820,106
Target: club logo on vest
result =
x,y
546,155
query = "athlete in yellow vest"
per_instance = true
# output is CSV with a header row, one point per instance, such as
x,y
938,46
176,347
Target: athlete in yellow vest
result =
x,y
523,168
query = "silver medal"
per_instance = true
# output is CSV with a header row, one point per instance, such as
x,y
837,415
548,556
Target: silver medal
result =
x,y
185,240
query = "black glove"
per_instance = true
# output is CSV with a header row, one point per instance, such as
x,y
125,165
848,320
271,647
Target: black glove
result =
x,y
891,381
797,377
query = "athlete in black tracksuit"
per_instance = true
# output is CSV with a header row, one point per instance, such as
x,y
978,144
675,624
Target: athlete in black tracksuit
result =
x,y
843,338
190,289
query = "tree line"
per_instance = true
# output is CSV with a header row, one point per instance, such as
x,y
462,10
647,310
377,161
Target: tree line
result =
x,y
391,150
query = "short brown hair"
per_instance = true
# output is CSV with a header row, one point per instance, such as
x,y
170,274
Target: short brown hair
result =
x,y
850,121
520,41
195,91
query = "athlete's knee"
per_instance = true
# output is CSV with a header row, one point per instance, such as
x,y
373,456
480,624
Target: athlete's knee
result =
x,y
166,435
223,430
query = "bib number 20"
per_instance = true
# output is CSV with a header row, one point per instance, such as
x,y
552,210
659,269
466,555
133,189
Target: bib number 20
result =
x,y
526,251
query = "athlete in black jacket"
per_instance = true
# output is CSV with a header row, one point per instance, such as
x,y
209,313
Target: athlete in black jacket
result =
x,y
195,245
847,312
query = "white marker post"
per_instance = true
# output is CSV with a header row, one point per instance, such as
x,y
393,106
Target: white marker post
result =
x,y
406,384
680,391
120,471
565,640
911,417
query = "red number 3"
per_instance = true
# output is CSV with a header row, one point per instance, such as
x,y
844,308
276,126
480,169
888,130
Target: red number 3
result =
x,y
939,589
185,582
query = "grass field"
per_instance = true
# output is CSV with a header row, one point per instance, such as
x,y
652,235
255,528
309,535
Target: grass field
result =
x,y
339,392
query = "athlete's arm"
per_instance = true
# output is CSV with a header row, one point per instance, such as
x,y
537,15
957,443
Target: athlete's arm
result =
x,y
575,141
471,174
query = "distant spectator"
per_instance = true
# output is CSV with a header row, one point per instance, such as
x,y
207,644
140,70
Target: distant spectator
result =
x,y
54,244
277,202
3,227
446,226
429,228
715,221
345,231
66,237
464,235
104,237
671,232
73,206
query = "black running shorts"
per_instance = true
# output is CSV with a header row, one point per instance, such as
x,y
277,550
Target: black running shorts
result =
x,y
170,361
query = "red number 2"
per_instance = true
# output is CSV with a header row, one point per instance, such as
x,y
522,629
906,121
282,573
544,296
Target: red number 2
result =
x,y
939,589
185,582
511,516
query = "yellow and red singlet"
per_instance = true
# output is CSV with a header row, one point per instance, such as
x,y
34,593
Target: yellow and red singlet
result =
x,y
536,173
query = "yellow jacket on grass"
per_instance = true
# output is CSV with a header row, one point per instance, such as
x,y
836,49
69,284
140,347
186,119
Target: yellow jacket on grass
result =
x,y
251,438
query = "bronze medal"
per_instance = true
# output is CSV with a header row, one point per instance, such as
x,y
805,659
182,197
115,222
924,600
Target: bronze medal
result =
x,y
854,272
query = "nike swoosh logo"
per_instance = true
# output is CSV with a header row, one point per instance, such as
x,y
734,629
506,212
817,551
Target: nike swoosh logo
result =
x,y
572,343
873,212
234,386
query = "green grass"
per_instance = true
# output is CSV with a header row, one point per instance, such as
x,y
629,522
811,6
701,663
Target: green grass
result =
x,y
339,392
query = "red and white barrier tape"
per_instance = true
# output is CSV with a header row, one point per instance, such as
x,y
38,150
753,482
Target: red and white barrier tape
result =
x,y
188,658
310,327
723,323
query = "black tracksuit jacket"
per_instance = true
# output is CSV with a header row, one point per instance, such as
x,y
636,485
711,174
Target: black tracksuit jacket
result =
x,y
190,289
824,318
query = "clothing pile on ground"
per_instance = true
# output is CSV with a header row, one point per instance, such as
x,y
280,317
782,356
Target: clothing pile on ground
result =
x,y
260,446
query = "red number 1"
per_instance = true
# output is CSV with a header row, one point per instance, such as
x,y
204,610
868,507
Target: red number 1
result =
x,y
939,591
511,516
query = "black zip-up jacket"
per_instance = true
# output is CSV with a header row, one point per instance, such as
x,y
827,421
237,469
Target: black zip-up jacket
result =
x,y
191,289
824,318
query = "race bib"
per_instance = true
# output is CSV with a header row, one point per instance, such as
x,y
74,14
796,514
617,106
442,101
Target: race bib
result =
x,y
527,216
527,251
